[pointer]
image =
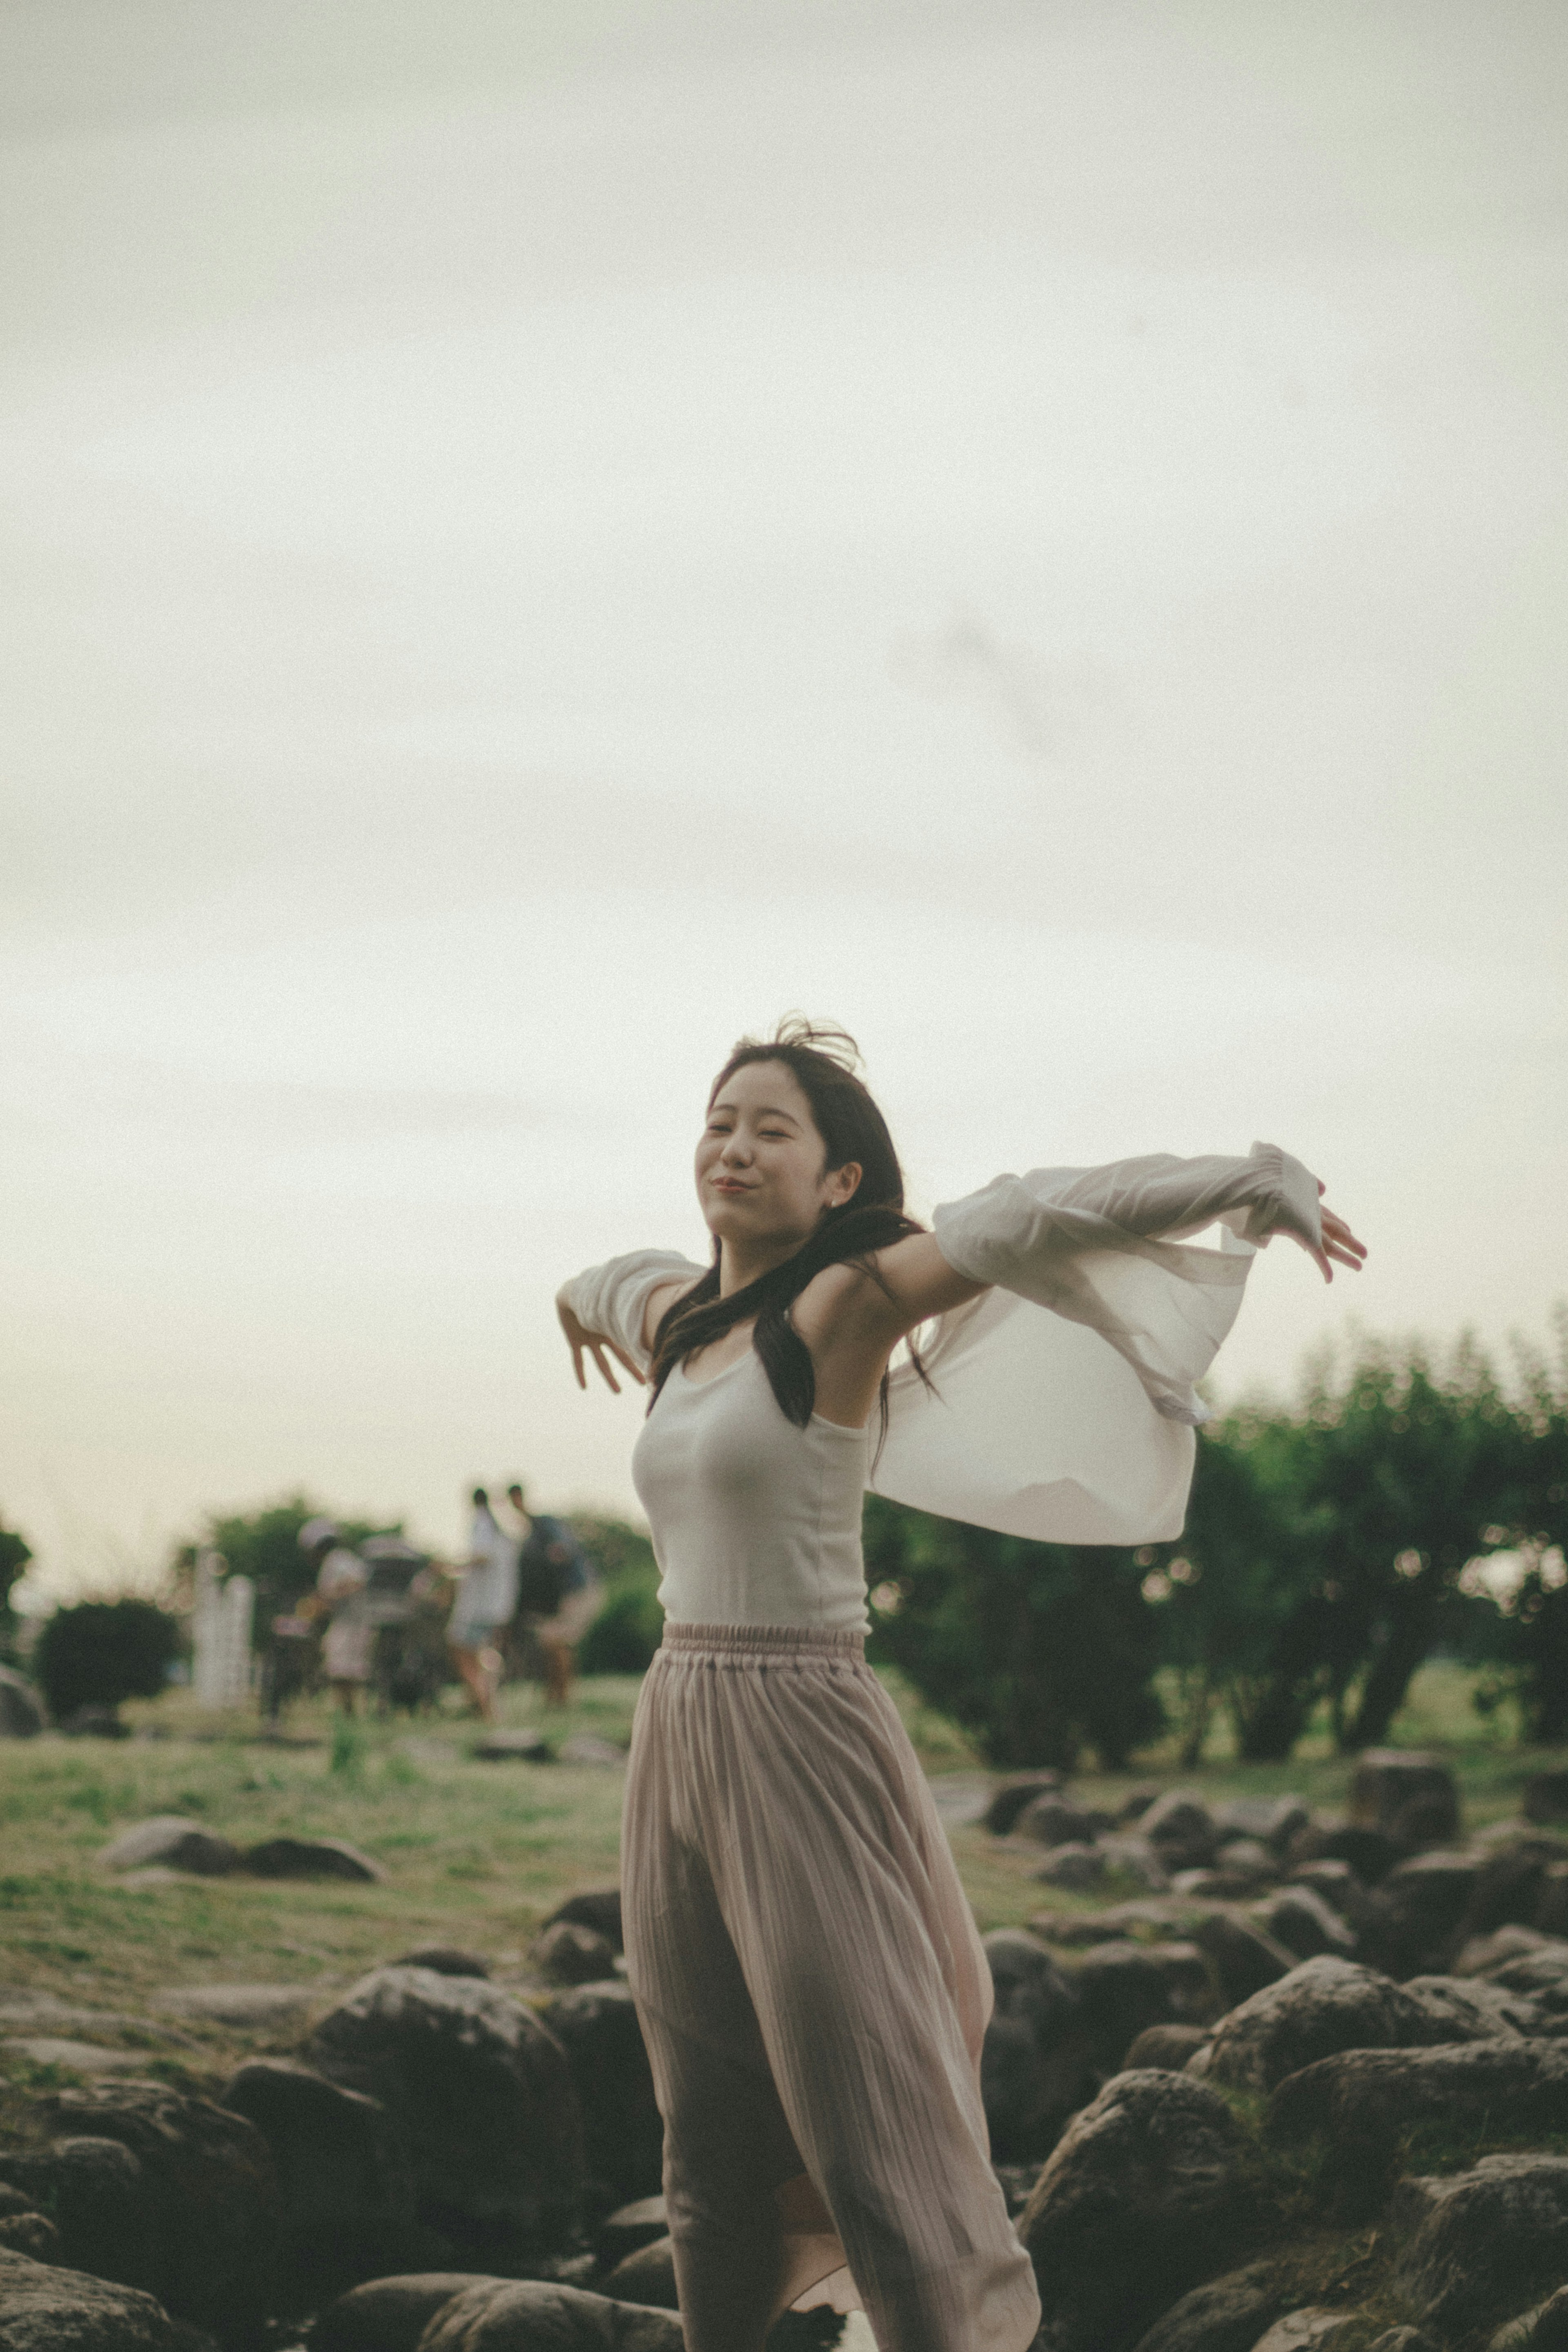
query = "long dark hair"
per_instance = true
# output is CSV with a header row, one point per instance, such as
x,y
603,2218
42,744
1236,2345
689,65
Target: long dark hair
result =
x,y
823,1060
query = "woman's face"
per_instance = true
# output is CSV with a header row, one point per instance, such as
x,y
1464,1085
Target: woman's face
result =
x,y
759,1164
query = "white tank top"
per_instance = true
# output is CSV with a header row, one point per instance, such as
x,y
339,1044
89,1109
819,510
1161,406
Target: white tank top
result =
x,y
754,1522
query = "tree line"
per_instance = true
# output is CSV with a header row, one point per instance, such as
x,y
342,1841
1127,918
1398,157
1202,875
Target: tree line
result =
x,y
1400,1507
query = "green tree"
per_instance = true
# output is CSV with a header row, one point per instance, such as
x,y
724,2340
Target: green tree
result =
x,y
1407,1467
1541,1610
265,1546
1524,1638
1325,1544
1240,1608
14,1553
1037,1650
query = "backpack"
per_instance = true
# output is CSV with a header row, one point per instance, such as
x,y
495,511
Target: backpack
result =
x,y
550,1566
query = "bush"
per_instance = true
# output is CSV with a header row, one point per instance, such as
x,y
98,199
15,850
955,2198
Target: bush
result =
x,y
625,1635
1037,1650
105,1651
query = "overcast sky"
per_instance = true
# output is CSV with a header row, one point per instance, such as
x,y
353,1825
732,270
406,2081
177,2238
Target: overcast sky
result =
x,y
537,538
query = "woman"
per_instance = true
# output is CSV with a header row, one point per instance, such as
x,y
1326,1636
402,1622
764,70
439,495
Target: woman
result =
x,y
485,1600
810,1983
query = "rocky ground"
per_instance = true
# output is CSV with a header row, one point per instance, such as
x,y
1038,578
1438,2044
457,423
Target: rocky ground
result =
x,y
1258,2080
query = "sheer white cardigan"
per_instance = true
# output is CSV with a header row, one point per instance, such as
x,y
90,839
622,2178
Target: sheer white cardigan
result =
x,y
1074,1425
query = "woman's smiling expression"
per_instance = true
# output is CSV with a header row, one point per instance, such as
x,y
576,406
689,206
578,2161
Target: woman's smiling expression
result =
x,y
761,1170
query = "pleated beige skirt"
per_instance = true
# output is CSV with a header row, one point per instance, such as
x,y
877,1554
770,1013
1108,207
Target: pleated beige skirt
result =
x,y
814,1993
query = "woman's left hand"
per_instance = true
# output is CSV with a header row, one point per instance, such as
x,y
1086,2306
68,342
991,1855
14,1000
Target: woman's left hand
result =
x,y
1340,1244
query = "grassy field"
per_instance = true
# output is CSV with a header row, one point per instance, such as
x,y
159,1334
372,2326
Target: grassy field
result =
x,y
477,1854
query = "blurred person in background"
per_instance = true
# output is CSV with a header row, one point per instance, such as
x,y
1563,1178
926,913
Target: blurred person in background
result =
x,y
560,1592
486,1604
341,1583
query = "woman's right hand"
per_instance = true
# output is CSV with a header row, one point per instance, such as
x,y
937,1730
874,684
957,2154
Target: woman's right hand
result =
x,y
583,1342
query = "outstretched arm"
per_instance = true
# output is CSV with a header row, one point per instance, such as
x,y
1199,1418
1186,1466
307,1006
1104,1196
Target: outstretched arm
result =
x,y
1024,1232
598,1344
611,1311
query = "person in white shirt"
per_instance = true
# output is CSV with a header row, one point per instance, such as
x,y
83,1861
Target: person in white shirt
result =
x,y
809,1976
485,1600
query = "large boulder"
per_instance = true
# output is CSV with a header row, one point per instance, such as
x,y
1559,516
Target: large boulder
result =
x,y
1482,1954
1272,1820
343,2171
1324,2006
1181,1829
1170,2046
1545,1796
1543,2329
45,2309
622,2131
387,2314
1244,1865
21,1709
1009,1797
598,1907
1243,1957
1052,1819
1370,1852
1411,1798
1482,2242
1335,1883
640,2223
1422,1903
24,2229
169,1841
481,2093
567,1954
1369,2098
1465,2008
1541,1977
205,2196
446,1959
527,2315
1229,2314
1035,2066
1076,1869
104,2207
1137,2202
646,2276
1507,1889
1299,1918
1135,1859
327,1857
1126,1987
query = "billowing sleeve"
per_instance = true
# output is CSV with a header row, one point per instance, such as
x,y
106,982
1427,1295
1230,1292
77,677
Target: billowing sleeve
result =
x,y
1098,1245
611,1299
1075,1425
